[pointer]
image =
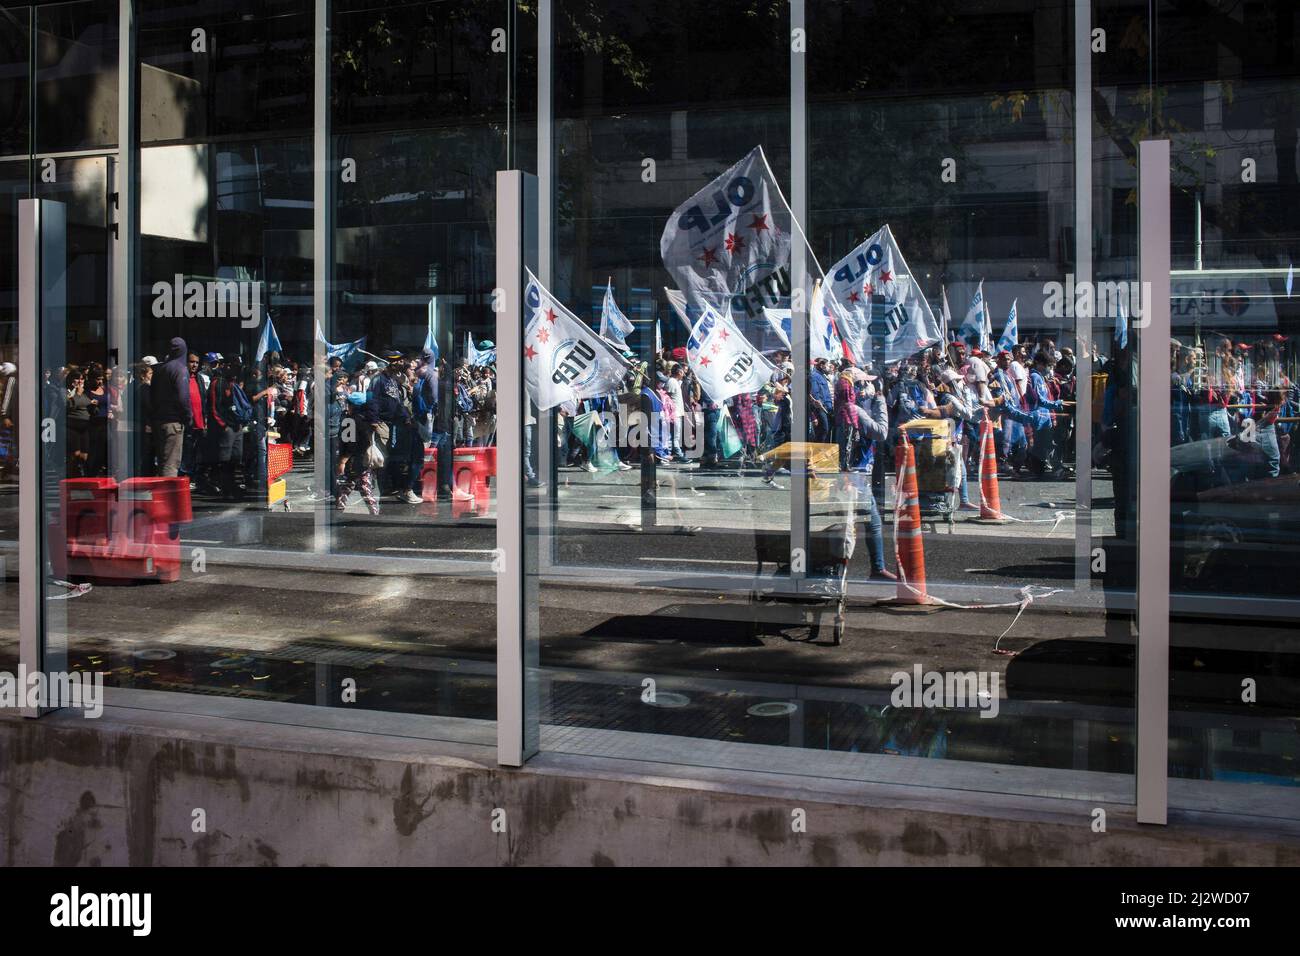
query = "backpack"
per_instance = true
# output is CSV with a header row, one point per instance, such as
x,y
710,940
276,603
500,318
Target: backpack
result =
x,y
463,398
241,409
423,401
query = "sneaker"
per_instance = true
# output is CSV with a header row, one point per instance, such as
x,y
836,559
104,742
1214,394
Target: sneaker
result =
x,y
662,460
967,506
590,468
536,483
624,466
687,529
884,574
412,498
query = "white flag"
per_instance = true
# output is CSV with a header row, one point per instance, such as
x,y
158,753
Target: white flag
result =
x,y
677,300
724,361
887,315
614,325
564,361
823,328
731,241
945,317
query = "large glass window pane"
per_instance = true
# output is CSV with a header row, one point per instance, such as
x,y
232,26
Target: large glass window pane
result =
x,y
964,148
15,80
76,75
1233,120
14,184
241,572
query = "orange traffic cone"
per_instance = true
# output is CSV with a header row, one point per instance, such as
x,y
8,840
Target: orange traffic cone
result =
x,y
911,549
990,498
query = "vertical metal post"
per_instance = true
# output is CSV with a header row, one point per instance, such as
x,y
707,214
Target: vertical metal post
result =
x,y
1083,272
1153,335
124,176
798,289
548,497
322,271
516,721
42,307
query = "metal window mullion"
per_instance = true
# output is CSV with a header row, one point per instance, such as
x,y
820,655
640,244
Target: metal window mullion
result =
x,y
322,268
516,724
798,290
1153,582
1083,269
548,498
31,559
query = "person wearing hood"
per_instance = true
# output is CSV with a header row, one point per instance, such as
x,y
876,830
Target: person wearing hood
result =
x,y
169,401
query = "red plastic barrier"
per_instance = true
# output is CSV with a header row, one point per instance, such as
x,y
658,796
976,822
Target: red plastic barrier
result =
x,y
469,481
429,482
117,533
84,530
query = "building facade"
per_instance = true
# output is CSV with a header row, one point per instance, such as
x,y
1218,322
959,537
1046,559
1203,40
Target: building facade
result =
x,y
219,220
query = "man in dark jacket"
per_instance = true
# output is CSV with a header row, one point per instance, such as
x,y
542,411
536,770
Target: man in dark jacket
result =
x,y
170,403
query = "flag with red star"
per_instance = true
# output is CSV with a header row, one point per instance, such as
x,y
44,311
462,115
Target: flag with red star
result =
x,y
732,239
879,306
724,362
564,360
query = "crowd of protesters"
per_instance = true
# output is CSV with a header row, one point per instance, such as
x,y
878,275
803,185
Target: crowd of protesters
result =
x,y
209,418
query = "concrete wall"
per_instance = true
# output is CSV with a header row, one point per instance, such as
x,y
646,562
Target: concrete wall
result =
x,y
124,789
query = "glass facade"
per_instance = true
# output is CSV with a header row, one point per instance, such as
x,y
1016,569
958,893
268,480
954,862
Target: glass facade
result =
x,y
899,539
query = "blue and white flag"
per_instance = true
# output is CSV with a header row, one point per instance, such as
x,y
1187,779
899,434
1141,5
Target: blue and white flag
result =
x,y
1010,332
659,340
886,315
971,330
731,241
477,356
1290,278
269,342
614,325
723,360
564,360
1121,324
431,336
345,352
